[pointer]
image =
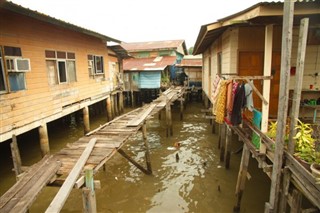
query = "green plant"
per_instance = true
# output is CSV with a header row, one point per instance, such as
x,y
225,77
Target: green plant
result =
x,y
305,144
272,130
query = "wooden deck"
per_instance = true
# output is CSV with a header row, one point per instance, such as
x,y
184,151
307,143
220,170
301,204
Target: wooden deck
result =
x,y
110,137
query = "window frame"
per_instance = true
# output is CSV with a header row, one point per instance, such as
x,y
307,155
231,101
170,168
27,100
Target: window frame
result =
x,y
3,72
93,69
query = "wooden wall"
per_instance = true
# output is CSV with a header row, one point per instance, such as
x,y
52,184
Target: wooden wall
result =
x,y
41,102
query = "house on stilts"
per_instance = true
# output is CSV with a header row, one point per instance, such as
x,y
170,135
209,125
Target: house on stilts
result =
x,y
260,69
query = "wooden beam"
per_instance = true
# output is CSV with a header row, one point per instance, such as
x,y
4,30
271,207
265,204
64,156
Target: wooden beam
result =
x,y
62,195
256,91
303,34
141,116
248,77
131,160
288,11
16,156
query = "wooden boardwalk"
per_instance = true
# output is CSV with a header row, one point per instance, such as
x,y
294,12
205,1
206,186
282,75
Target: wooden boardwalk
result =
x,y
109,138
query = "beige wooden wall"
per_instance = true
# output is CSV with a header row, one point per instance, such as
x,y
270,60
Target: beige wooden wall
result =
x,y
40,101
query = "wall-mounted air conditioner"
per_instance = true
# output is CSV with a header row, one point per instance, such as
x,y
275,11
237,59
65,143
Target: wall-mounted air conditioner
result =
x,y
18,64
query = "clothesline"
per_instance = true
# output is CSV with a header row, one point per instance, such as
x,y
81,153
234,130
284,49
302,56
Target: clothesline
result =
x,y
236,77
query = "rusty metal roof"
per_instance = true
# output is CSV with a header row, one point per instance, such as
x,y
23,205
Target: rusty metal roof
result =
x,y
155,45
148,64
48,19
120,51
259,14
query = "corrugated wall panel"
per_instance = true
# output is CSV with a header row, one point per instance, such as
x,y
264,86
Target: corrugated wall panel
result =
x,y
150,80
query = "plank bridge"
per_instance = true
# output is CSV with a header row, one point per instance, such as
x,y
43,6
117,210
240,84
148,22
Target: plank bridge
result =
x,y
68,167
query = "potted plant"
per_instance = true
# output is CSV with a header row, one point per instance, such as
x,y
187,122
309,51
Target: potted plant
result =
x,y
305,146
315,166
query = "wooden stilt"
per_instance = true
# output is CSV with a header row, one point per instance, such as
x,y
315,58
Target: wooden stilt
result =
x,y
206,102
88,194
295,201
242,175
44,140
285,190
181,109
169,119
86,120
288,10
109,108
213,128
121,104
16,156
148,160
222,141
227,153
132,99
116,104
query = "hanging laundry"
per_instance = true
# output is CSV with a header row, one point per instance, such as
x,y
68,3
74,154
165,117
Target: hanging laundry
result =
x,y
214,92
238,104
249,99
221,102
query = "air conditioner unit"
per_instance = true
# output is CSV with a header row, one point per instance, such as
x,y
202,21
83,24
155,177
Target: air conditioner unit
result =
x,y
18,64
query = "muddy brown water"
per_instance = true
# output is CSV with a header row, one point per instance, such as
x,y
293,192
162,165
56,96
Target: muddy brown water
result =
x,y
196,182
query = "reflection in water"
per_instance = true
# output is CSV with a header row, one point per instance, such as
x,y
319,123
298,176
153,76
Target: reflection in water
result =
x,y
195,181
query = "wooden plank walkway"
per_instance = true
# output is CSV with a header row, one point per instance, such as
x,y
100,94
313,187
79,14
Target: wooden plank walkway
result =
x,y
110,137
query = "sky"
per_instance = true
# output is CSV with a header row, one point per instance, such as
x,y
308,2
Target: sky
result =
x,y
140,20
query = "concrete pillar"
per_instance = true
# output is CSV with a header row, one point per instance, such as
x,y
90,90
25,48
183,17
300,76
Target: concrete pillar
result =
x,y
44,139
86,120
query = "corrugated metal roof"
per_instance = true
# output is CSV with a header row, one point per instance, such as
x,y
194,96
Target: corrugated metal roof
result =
x,y
141,64
209,32
155,45
120,51
48,19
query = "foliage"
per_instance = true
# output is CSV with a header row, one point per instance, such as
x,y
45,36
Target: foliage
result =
x,y
305,144
272,130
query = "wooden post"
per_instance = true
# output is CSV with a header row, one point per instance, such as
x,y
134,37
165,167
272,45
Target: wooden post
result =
x,y
266,82
295,201
285,189
227,153
109,108
16,156
86,120
88,194
304,24
181,109
132,99
272,205
144,134
222,140
213,130
121,104
169,119
242,175
116,104
44,140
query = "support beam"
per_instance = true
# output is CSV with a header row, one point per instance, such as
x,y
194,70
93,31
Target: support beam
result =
x,y
266,83
145,139
222,140
227,153
16,156
303,34
62,195
109,108
131,160
181,109
44,140
169,119
116,104
86,120
242,175
288,10
285,189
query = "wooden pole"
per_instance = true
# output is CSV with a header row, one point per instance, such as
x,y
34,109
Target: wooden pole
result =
x,y
88,194
227,153
222,140
62,195
272,205
109,108
44,140
303,34
16,156
242,175
121,102
181,109
131,160
116,104
86,120
132,99
266,82
148,160
169,119
285,189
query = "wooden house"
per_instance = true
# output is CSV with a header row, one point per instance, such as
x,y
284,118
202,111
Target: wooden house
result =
x,y
248,43
192,67
49,69
154,49
265,43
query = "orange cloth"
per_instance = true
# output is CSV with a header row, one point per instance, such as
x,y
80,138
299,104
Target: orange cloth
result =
x,y
221,102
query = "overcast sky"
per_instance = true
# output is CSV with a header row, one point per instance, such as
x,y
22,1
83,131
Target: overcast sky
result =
x,y
140,20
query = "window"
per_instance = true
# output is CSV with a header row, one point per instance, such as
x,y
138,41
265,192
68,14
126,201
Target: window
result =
x,y
12,63
61,67
95,65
